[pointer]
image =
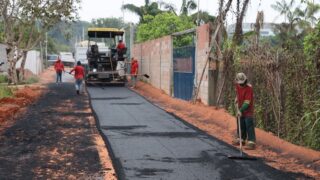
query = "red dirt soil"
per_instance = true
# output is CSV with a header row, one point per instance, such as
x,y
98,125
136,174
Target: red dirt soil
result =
x,y
9,107
25,95
274,151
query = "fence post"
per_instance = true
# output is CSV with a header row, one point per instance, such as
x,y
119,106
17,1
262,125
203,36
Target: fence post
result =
x,y
160,51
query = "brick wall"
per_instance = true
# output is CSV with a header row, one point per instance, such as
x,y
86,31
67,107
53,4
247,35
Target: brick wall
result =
x,y
155,58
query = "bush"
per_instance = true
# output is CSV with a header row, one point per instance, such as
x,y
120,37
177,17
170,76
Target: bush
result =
x,y
5,92
3,78
32,80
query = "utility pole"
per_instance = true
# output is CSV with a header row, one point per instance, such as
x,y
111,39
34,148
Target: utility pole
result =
x,y
46,58
122,12
82,34
198,18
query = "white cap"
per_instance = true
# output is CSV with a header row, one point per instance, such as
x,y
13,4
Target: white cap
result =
x,y
241,78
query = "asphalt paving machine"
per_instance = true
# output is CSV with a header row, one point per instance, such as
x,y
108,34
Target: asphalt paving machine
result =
x,y
105,64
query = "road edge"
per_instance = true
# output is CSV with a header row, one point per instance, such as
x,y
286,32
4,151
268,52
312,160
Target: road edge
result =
x,y
115,162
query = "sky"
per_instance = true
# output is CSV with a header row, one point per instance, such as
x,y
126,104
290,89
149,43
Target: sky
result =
x,y
92,9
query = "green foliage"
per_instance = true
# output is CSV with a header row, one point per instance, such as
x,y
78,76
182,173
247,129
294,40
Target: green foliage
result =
x,y
108,22
187,6
204,17
5,91
32,80
3,78
151,9
1,32
161,25
312,47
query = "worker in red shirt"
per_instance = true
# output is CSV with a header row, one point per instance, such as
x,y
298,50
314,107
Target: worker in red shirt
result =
x,y
121,45
245,110
59,67
79,76
121,49
134,72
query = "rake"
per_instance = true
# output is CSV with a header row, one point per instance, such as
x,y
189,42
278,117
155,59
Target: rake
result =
x,y
241,156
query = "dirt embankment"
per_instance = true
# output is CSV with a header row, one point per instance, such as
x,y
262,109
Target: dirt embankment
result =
x,y
24,95
220,124
10,106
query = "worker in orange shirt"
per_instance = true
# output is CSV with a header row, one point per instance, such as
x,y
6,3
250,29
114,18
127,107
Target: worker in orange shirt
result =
x,y
79,76
59,67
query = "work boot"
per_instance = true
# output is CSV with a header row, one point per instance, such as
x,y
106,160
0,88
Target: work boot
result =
x,y
251,145
236,142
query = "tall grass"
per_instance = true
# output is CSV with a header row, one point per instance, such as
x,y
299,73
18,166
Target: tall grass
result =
x,y
3,78
5,91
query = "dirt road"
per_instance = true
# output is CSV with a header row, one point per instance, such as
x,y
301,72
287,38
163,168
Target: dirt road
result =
x,y
56,138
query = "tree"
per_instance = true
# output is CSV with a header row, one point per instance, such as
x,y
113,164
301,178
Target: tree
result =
x,y
241,11
148,9
1,32
283,8
187,6
33,17
169,7
108,22
307,15
161,25
204,17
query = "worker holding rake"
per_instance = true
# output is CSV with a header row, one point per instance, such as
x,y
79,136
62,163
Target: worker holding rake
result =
x,y
245,109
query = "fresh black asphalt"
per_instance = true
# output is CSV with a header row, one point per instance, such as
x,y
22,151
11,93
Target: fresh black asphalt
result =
x,y
53,139
146,142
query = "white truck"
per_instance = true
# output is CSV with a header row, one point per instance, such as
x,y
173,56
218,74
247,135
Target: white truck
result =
x,y
80,54
67,58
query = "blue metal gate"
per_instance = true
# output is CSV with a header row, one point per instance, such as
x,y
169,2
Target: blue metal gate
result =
x,y
183,72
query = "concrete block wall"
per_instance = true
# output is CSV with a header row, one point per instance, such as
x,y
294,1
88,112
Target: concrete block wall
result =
x,y
3,58
155,59
34,62
202,50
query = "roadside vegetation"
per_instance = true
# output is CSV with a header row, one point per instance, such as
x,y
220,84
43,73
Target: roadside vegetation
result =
x,y
284,71
5,91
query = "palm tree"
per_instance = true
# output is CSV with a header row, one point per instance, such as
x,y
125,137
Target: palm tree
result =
x,y
187,6
283,8
204,17
307,15
148,8
168,7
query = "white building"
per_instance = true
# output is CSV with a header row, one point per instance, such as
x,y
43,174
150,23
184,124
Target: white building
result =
x,y
265,31
34,62
3,58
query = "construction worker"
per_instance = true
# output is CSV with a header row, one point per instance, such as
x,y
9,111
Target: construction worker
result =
x,y
59,67
244,104
121,50
120,45
78,75
134,72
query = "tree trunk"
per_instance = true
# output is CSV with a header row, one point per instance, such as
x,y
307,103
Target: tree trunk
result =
x,y
23,63
238,33
12,73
